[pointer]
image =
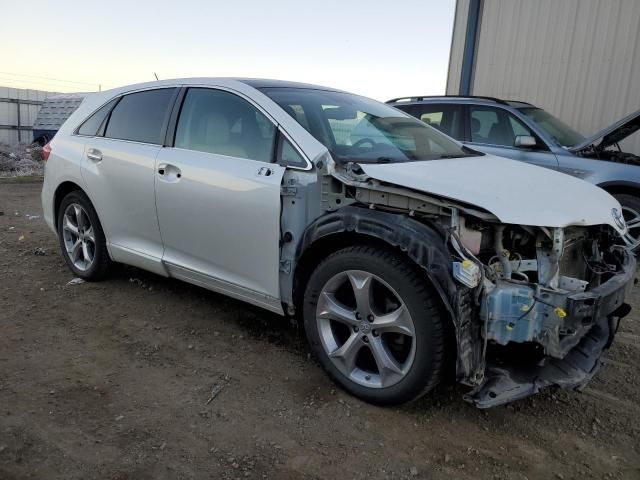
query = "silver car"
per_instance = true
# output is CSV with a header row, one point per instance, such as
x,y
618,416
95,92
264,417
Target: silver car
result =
x,y
403,252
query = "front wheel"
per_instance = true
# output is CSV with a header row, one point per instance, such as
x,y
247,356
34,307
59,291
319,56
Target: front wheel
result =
x,y
374,324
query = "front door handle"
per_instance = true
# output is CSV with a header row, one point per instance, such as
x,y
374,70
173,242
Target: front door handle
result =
x,y
94,154
169,173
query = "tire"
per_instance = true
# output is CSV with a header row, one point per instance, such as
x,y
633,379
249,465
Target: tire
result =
x,y
91,236
420,358
631,212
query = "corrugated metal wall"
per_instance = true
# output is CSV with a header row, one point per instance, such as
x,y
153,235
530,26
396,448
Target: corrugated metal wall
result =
x,y
578,59
9,113
457,46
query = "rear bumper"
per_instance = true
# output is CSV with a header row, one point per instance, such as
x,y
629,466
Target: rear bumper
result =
x,y
601,309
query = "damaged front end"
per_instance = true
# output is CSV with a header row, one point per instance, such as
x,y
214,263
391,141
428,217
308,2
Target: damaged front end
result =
x,y
557,293
532,306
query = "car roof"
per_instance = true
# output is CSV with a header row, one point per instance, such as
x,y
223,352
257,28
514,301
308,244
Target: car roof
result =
x,y
270,83
458,99
256,83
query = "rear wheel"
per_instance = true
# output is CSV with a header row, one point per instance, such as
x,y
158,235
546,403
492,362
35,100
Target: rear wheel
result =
x,y
82,240
374,324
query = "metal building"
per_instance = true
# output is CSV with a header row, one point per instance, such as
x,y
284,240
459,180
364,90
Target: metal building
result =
x,y
18,110
577,59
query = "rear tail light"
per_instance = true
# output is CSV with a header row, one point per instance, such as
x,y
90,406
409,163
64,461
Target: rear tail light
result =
x,y
46,151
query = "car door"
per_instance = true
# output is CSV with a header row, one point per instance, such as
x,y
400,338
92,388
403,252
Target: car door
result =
x,y
119,170
218,197
493,130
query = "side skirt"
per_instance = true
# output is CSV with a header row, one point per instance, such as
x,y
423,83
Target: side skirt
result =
x,y
226,288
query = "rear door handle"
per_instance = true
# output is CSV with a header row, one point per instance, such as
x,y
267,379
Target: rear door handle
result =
x,y
94,154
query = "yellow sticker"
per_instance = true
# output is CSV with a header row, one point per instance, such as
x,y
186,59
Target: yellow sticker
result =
x,y
560,313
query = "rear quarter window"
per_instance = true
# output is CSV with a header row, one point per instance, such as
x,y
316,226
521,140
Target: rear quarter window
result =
x,y
141,116
94,125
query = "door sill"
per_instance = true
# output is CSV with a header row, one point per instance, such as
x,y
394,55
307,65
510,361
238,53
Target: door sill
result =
x,y
135,258
226,288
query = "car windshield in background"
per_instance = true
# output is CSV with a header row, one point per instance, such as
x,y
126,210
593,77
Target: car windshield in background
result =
x,y
562,134
357,129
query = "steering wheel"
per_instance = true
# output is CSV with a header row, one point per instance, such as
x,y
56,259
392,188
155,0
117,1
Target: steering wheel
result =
x,y
362,141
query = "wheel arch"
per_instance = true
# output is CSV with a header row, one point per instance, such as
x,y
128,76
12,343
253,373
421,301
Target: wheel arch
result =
x,y
425,245
62,191
621,187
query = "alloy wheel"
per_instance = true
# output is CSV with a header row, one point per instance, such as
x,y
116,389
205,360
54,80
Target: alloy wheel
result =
x,y
632,219
79,237
365,329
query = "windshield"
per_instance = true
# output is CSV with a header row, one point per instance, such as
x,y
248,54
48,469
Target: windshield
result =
x,y
562,134
358,129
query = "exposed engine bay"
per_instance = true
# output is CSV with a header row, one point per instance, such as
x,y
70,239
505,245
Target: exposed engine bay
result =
x,y
539,289
527,274
552,295
611,154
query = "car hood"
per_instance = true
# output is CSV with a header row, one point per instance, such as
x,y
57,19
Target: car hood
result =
x,y
515,192
612,134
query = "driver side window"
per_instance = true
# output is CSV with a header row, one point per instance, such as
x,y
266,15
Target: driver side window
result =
x,y
219,122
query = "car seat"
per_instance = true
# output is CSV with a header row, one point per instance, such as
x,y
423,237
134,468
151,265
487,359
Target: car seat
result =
x,y
214,136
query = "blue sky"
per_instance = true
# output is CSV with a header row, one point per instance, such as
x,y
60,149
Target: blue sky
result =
x,y
379,49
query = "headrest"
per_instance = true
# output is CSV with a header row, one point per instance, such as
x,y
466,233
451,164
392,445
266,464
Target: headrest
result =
x,y
475,125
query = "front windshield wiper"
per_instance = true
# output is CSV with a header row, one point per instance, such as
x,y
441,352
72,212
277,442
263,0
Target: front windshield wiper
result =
x,y
342,159
455,155
471,151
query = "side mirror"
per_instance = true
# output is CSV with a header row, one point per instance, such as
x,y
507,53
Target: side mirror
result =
x,y
525,141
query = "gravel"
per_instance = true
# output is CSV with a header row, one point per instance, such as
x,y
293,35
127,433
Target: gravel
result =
x,y
18,161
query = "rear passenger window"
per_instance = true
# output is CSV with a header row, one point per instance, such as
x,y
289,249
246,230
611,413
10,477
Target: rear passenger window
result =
x,y
93,125
219,122
141,116
446,118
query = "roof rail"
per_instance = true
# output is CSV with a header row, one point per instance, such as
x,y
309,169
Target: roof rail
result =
x,y
422,97
520,101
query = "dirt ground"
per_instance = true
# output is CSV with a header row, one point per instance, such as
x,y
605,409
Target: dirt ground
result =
x,y
111,380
